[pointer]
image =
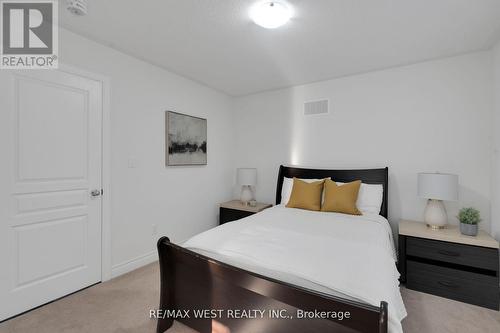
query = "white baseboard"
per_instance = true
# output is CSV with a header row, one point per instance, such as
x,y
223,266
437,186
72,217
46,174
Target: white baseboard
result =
x,y
135,263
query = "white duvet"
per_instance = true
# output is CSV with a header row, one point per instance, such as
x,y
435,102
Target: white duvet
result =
x,y
347,255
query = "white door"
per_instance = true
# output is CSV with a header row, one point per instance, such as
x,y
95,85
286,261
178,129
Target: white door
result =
x,y
50,151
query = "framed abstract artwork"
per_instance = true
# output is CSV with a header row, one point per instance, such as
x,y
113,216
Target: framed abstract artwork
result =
x,y
186,139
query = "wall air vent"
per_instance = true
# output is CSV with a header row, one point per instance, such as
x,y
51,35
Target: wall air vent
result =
x,y
316,107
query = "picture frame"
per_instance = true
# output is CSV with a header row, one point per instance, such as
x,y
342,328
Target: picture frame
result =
x,y
185,139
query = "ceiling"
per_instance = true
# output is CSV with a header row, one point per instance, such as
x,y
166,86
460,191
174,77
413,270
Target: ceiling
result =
x,y
216,43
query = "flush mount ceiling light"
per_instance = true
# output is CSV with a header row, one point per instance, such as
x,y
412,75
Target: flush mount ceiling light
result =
x,y
270,14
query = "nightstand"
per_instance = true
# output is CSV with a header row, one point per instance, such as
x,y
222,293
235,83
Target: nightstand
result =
x,y
448,264
235,210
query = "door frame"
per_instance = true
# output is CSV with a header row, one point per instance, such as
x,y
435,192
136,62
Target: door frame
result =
x,y
106,163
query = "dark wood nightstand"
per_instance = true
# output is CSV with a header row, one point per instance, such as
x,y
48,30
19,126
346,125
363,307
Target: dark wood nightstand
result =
x,y
448,264
235,210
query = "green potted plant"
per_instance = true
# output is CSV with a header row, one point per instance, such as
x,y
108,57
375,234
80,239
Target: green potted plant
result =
x,y
469,219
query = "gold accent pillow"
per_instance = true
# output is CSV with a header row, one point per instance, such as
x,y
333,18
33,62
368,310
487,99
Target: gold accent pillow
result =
x,y
341,199
306,195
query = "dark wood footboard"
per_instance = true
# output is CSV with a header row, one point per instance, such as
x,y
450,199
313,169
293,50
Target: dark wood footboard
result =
x,y
246,302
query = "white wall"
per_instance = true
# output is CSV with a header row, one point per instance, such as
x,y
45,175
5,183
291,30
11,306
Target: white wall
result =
x,y
425,117
495,201
181,201
432,116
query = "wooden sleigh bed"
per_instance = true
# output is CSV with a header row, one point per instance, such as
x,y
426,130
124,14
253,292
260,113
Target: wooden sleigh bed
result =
x,y
191,281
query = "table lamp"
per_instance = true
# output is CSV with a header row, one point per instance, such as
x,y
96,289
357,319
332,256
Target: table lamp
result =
x,y
246,177
437,187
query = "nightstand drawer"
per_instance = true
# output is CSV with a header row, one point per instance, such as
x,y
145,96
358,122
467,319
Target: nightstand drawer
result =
x,y
466,255
228,215
459,285
234,210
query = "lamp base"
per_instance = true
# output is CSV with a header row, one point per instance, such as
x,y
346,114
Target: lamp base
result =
x,y
436,227
246,194
435,214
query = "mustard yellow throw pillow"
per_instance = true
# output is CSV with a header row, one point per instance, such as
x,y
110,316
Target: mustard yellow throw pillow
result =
x,y
306,195
341,199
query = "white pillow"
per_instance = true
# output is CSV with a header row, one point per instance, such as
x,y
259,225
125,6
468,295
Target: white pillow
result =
x,y
286,190
370,198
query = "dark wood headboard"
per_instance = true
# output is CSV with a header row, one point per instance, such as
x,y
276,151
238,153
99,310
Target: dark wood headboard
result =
x,y
368,176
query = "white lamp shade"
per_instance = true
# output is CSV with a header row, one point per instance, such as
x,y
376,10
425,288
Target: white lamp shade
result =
x,y
438,186
247,176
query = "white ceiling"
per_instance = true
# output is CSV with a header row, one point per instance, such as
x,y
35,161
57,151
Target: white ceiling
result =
x,y
215,42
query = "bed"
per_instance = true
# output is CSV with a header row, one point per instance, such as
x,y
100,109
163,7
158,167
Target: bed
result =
x,y
283,263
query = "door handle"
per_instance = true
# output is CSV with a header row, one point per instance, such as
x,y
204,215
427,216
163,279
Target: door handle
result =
x,y
95,193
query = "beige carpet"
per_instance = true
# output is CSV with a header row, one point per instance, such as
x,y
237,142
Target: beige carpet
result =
x,y
122,306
